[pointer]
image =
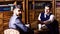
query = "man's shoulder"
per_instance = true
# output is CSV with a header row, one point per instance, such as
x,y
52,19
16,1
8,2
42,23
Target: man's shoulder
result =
x,y
12,17
51,14
42,13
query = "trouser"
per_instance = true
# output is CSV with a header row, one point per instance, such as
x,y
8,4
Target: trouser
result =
x,y
29,31
52,29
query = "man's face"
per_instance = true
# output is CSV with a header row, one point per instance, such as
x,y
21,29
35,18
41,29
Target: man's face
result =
x,y
18,12
47,9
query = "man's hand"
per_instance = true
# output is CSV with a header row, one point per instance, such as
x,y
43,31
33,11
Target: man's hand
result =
x,y
41,22
46,22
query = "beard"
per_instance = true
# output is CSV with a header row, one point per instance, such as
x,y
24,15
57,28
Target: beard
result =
x,y
19,14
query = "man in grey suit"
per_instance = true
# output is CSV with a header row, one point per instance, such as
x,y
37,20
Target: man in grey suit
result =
x,y
16,22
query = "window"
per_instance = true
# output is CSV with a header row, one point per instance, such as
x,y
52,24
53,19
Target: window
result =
x,y
57,4
5,8
39,5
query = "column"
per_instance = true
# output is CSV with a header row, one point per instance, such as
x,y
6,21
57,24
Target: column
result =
x,y
27,15
23,12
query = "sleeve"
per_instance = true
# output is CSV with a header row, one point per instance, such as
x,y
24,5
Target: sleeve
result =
x,y
51,19
39,17
21,26
11,23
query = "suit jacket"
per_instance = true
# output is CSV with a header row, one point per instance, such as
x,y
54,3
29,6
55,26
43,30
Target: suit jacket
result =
x,y
16,22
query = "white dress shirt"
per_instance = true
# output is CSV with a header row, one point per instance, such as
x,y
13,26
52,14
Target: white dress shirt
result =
x,y
51,19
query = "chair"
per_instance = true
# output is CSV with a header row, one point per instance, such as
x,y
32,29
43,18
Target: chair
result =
x,y
11,31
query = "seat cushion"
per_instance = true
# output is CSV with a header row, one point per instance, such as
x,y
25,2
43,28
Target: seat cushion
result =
x,y
11,31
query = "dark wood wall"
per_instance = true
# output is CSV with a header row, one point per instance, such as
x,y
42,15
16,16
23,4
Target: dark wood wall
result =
x,y
30,13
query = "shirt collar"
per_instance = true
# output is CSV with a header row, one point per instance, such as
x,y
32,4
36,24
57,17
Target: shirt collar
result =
x,y
46,14
15,16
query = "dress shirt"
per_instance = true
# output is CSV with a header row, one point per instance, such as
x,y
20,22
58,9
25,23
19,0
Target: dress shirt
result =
x,y
14,21
51,19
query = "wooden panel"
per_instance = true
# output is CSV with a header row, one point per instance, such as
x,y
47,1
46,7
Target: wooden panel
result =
x,y
9,0
58,14
1,26
1,15
37,13
43,0
31,15
19,0
5,26
23,16
1,22
2,0
57,0
7,15
40,0
34,24
13,0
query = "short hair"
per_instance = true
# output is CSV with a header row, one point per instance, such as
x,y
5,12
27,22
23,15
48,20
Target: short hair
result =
x,y
17,6
48,5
